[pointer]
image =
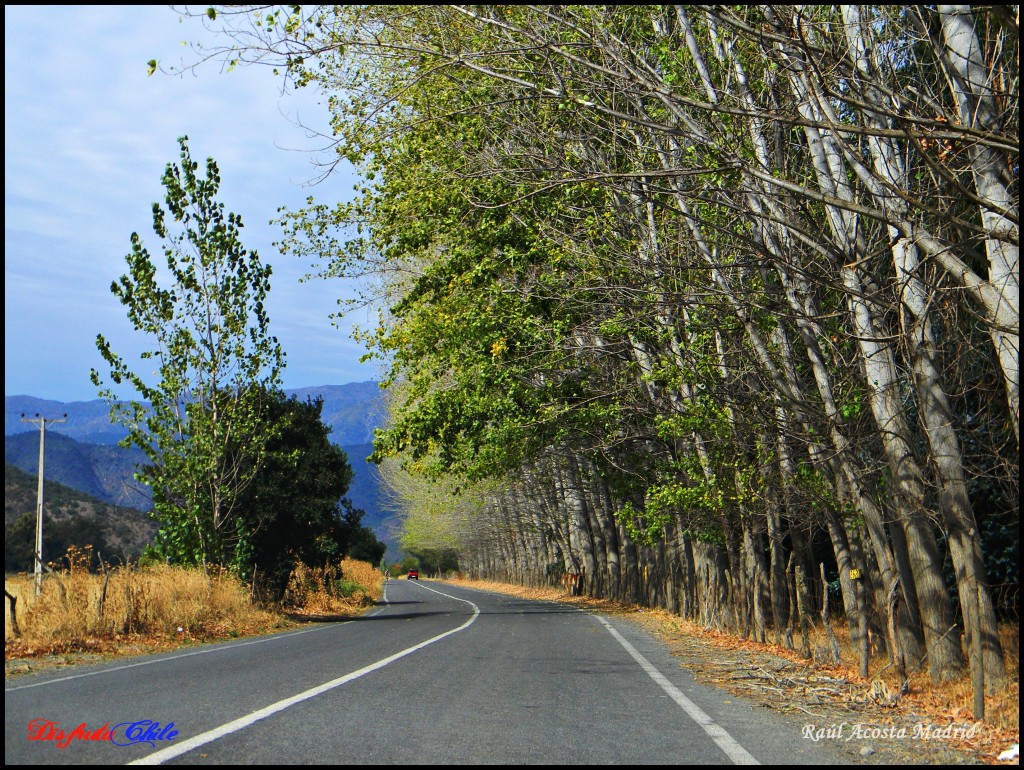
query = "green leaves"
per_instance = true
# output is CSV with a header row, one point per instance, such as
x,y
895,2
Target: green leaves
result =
x,y
609,233
643,528
203,422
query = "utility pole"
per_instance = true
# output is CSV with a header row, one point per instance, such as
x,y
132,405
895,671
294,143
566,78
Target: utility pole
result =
x,y
39,495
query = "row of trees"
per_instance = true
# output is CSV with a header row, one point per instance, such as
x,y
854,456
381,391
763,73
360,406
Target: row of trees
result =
x,y
690,301
242,476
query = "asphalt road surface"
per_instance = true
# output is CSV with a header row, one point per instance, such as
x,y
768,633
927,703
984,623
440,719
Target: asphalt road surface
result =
x,y
438,674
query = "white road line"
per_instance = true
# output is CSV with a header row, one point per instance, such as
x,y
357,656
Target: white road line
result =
x,y
728,744
205,651
218,648
242,722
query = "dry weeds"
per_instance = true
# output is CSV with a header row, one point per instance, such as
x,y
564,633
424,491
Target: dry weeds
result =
x,y
80,616
334,591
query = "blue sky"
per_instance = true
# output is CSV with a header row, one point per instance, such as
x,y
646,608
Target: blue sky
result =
x,y
87,136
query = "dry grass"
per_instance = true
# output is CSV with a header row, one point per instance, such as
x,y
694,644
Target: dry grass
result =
x,y
77,610
818,690
335,590
160,607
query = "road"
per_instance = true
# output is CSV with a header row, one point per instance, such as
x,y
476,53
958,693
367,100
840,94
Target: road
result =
x,y
438,674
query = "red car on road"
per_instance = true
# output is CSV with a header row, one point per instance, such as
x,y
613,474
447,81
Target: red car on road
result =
x,y
414,574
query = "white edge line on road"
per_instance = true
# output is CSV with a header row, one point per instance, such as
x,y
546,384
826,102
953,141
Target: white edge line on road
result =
x,y
217,648
152,661
728,744
242,722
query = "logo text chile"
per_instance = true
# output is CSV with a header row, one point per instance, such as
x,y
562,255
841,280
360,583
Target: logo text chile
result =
x,y
148,732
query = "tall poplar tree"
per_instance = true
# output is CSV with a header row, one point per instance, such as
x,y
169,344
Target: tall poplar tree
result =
x,y
204,424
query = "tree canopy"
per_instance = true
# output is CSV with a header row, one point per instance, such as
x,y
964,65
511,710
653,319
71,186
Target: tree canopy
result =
x,y
723,299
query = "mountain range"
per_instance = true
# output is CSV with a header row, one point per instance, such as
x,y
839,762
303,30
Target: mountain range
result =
x,y
71,517
352,411
83,453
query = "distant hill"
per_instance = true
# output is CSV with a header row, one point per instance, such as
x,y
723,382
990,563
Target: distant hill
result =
x,y
103,471
82,452
87,421
352,411
71,518
366,493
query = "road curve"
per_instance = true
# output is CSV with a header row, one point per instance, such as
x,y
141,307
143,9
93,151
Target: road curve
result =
x,y
438,674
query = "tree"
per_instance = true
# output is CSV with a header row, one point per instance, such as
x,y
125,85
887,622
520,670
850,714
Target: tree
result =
x,y
295,509
204,425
